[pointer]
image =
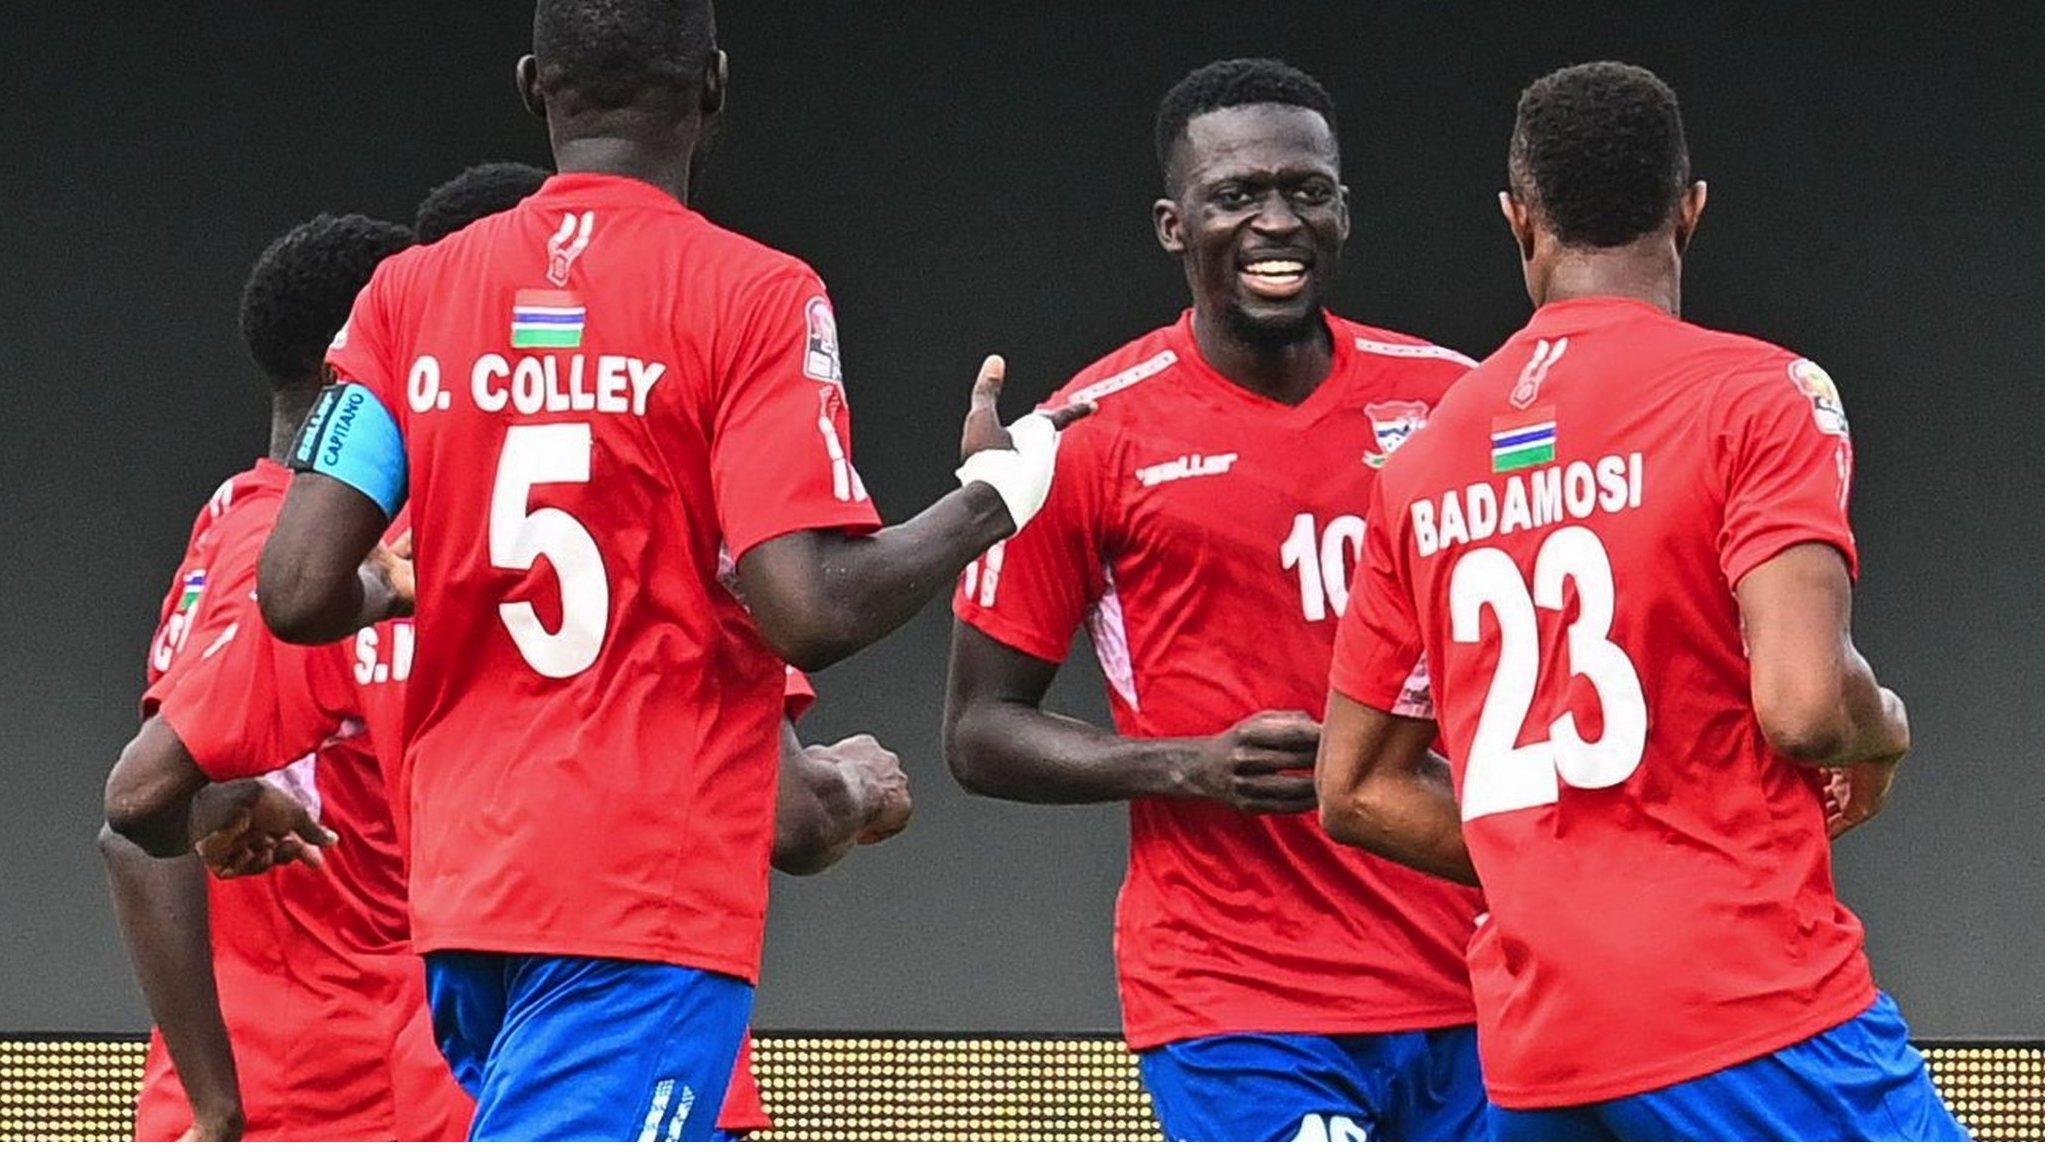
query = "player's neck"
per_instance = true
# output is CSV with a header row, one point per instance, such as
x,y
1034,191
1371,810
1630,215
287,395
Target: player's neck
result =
x,y
1647,270
1283,371
666,167
282,432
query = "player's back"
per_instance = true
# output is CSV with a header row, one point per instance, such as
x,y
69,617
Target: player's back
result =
x,y
1573,522
592,389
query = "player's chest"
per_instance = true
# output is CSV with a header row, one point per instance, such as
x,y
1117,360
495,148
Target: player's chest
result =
x,y
1270,517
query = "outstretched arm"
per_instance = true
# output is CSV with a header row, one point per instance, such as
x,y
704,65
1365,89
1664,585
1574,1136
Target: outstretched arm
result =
x,y
819,596
1381,790
1000,742
162,910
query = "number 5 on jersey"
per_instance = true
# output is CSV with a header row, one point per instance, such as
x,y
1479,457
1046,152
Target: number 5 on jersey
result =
x,y
1500,777
549,454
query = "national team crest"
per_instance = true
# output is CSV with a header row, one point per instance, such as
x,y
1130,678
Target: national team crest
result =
x,y
1819,388
1393,422
821,343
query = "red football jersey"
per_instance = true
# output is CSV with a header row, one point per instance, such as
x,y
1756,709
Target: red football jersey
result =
x,y
298,698
1205,534
1563,543
323,1001
596,390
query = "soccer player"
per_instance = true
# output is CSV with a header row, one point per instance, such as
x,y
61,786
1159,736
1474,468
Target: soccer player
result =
x,y
289,1006
249,703
587,399
1623,545
1203,524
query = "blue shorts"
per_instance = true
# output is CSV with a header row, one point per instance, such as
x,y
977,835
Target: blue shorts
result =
x,y
1278,1086
576,1048
1861,1080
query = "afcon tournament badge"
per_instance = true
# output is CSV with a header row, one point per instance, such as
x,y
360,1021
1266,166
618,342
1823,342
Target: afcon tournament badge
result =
x,y
1819,388
821,345
1393,422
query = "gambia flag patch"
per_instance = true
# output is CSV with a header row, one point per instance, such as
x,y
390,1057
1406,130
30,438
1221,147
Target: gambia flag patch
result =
x,y
1524,439
547,318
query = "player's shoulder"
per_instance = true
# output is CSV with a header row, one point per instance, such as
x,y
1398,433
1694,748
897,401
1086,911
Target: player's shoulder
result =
x,y
1120,380
1746,371
741,261
1387,350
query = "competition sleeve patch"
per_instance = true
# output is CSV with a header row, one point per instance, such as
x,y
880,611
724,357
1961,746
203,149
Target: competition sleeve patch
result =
x,y
352,437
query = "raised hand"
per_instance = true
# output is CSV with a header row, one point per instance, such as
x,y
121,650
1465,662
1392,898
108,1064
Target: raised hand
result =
x,y
1017,461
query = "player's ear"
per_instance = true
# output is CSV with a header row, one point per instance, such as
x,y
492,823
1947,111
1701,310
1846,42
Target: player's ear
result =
x,y
1344,212
712,101
1690,206
1520,223
528,78
1167,223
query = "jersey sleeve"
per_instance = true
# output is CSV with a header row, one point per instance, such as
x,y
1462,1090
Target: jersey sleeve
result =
x,y
1032,591
781,442
1377,659
1786,461
797,693
251,703
353,433
211,620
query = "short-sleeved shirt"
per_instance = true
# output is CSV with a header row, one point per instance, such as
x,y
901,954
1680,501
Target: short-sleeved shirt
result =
x,y
594,391
1563,543
316,983
256,700
1205,535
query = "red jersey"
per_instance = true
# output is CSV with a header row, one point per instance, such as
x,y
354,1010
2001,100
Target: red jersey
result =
x,y
1563,543
297,698
1205,535
324,1004
596,389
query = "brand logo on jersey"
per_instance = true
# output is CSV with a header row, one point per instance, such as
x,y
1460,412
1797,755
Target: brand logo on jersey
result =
x,y
1393,423
1819,387
1184,467
1524,440
567,244
340,340
1539,365
821,341
659,1108
547,318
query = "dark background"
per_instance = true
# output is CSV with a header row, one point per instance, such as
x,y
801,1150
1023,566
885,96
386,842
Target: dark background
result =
x,y
973,178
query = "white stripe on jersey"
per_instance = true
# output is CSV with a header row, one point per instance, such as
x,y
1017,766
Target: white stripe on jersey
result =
x,y
1413,351
1159,362
1112,643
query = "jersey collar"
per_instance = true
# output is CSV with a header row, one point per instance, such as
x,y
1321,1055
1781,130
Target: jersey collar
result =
x,y
1327,393
604,190
1583,312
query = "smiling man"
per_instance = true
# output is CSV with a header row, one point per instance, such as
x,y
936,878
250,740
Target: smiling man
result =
x,y
1203,524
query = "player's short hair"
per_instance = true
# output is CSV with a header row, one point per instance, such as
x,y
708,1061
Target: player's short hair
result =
x,y
607,54
1599,153
1232,84
479,191
300,291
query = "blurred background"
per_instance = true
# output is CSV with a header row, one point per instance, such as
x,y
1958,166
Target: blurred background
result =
x,y
977,178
